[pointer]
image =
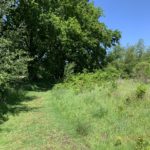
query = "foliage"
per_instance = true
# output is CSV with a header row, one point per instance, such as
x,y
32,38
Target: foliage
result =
x,y
13,65
140,91
142,71
131,61
60,32
69,70
13,59
140,48
87,81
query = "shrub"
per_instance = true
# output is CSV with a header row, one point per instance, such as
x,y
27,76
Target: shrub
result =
x,y
140,91
112,72
3,111
87,81
13,65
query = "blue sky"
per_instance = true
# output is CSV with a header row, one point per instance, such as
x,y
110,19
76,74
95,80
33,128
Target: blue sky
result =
x,y
131,17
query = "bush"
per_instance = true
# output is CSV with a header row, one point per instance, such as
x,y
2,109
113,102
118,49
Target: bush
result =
x,y
140,91
87,81
13,65
112,72
3,112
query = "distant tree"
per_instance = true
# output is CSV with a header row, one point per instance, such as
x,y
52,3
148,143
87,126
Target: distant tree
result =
x,y
146,55
130,60
116,57
142,71
126,58
140,47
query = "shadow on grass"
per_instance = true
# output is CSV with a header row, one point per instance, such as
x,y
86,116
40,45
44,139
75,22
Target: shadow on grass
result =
x,y
39,86
12,104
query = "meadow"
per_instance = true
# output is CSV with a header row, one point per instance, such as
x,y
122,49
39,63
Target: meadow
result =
x,y
80,115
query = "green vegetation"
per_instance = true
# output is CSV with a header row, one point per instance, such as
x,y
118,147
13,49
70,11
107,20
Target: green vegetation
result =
x,y
59,87
132,61
57,33
13,62
97,117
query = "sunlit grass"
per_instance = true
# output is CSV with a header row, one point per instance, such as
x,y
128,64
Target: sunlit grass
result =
x,y
101,117
104,118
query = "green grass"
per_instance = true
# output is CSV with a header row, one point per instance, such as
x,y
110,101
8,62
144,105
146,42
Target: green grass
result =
x,y
105,117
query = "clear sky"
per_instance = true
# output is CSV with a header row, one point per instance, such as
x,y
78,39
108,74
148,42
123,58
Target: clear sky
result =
x,y
131,17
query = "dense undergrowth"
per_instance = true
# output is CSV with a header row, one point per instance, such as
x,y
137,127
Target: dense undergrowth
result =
x,y
88,81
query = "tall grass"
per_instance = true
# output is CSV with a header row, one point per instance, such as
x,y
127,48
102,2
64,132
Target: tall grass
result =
x,y
101,117
88,111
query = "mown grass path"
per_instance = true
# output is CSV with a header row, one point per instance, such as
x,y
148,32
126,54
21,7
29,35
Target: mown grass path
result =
x,y
34,129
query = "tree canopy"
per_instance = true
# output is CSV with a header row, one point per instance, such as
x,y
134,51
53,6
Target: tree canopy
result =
x,y
56,33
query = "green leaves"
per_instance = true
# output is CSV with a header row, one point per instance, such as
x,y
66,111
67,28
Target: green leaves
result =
x,y
60,31
13,63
